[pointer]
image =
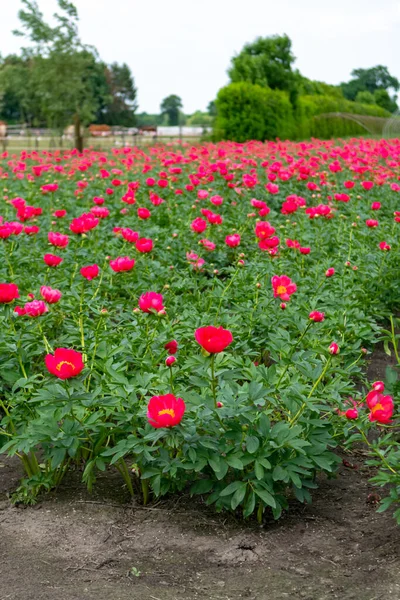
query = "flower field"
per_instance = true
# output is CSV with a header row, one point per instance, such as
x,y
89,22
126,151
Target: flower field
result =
x,y
199,318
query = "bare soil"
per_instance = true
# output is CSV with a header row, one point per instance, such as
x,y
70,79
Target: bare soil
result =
x,y
73,546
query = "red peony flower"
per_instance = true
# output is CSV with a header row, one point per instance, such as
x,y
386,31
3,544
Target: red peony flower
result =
x,y
283,287
213,339
101,212
264,229
64,363
122,263
381,407
384,246
144,245
329,272
151,302
199,225
170,360
129,235
59,214
316,316
371,223
90,272
84,223
31,229
171,347
232,240
52,260
36,308
58,239
49,294
165,411
143,213
8,293
367,185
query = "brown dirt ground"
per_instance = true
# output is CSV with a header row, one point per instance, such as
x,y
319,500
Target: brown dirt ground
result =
x,y
73,546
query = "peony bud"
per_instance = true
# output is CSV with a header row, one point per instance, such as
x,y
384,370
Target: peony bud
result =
x,y
351,413
170,360
378,386
334,348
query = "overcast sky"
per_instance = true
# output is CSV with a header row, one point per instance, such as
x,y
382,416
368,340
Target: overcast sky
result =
x,y
184,47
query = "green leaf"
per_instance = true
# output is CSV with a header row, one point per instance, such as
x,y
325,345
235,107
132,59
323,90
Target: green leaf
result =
x,y
252,444
231,488
238,495
249,505
259,470
203,486
234,462
266,497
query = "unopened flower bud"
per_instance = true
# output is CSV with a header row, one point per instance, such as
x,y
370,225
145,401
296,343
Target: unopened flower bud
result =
x,y
378,386
334,348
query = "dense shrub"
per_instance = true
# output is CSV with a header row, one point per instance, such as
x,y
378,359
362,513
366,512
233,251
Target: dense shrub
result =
x,y
252,112
246,111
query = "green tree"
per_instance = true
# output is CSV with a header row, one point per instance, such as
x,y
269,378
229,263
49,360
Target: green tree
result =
x,y
267,62
19,101
365,97
212,108
62,67
370,80
199,118
170,107
121,105
383,99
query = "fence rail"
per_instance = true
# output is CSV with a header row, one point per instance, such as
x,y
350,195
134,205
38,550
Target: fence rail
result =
x,y
15,137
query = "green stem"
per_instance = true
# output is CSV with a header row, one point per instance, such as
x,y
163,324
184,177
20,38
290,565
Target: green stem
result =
x,y
123,469
81,322
377,453
314,387
46,343
293,351
213,380
394,341
223,294
145,491
171,380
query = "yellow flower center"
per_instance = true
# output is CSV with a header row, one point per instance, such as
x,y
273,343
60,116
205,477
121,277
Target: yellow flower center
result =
x,y
377,407
281,289
167,411
65,362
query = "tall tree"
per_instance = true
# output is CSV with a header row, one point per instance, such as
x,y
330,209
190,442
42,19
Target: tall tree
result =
x,y
170,107
19,102
267,62
62,66
372,80
120,110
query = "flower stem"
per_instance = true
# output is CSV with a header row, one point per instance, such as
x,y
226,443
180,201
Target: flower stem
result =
x,y
314,387
293,351
213,381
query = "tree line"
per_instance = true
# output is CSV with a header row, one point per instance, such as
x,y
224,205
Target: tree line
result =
x,y
58,80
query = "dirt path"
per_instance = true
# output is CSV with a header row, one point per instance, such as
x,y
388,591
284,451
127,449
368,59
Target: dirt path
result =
x,y
73,547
